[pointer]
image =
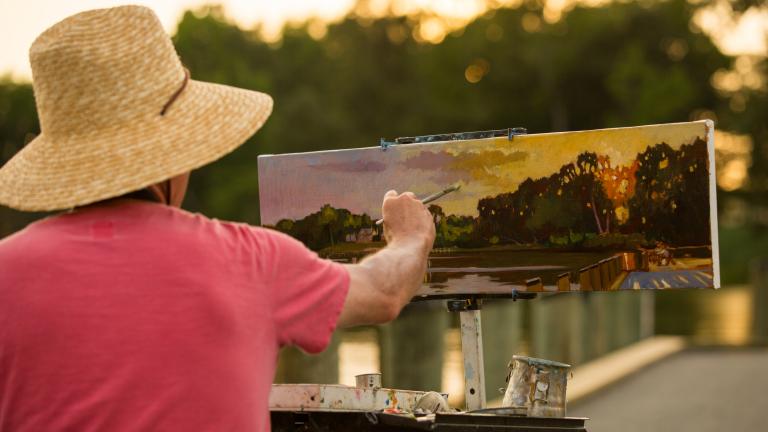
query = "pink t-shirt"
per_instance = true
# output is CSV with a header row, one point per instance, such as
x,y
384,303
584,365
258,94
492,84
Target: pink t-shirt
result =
x,y
135,316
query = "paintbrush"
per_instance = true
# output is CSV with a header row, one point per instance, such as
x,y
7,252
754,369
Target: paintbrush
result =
x,y
429,198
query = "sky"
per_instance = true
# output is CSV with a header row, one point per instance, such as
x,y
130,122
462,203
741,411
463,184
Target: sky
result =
x,y
357,179
22,20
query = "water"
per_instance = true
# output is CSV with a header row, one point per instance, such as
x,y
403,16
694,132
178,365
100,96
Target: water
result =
x,y
423,351
498,271
719,317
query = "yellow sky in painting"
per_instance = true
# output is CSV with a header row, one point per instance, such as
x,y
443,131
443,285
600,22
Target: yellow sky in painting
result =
x,y
356,179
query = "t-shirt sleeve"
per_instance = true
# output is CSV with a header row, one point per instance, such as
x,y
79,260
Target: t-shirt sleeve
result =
x,y
307,292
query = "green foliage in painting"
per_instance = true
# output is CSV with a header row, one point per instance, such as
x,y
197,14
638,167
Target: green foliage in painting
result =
x,y
330,226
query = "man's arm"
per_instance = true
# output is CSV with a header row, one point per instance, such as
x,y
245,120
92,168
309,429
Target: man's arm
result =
x,y
384,282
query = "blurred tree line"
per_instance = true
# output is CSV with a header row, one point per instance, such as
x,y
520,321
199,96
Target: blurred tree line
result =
x,y
362,78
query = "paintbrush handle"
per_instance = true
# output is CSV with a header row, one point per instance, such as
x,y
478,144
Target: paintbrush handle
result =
x,y
428,199
435,196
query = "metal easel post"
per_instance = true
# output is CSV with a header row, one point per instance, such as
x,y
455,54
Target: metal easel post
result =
x,y
472,351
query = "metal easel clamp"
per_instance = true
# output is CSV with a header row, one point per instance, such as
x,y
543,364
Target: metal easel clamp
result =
x,y
384,144
464,304
512,132
457,136
523,295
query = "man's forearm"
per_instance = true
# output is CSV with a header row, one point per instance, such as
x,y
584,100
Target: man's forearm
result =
x,y
382,283
398,269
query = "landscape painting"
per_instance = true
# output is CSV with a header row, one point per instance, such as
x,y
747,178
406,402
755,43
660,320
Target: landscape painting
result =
x,y
602,210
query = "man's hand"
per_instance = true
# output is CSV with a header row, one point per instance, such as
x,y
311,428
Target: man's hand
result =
x,y
384,282
406,219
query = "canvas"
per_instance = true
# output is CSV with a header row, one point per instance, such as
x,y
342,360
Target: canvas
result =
x,y
601,210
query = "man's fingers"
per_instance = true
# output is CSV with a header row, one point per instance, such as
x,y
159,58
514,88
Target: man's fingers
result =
x,y
409,194
390,194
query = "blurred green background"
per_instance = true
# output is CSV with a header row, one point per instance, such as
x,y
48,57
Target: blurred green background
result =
x,y
369,75
348,83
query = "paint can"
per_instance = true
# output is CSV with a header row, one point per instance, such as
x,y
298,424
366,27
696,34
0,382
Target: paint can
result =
x,y
370,380
537,385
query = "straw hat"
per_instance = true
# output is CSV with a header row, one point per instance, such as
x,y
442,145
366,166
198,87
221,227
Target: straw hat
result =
x,y
118,113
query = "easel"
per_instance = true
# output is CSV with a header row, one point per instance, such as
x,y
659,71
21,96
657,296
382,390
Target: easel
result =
x,y
332,407
300,416
471,331
469,308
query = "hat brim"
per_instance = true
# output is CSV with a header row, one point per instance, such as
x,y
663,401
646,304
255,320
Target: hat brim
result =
x,y
206,122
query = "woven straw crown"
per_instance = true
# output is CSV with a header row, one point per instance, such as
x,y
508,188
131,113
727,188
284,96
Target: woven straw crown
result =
x,y
117,113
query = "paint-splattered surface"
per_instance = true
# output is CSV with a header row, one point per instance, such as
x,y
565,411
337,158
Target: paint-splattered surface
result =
x,y
332,397
537,213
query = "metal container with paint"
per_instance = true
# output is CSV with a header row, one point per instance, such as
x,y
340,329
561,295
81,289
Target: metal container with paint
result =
x,y
537,385
369,380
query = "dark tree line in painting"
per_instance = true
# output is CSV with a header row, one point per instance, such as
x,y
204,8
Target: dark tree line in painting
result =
x,y
328,227
569,203
662,195
672,206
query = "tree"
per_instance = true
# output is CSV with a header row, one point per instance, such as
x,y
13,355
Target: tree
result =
x,y
669,193
18,125
328,218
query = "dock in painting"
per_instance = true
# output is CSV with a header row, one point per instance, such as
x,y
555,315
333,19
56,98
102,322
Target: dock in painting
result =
x,y
611,209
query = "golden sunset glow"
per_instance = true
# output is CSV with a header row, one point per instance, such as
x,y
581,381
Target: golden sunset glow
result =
x,y
733,157
21,21
358,354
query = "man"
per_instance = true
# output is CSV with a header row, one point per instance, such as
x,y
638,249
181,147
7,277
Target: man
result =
x,y
128,313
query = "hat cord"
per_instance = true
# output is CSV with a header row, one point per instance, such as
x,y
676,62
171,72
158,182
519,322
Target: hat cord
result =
x,y
176,94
